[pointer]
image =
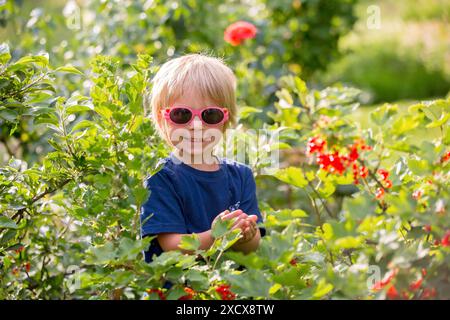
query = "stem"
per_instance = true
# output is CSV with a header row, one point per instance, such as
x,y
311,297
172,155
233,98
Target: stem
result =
x,y
316,210
217,260
40,196
320,197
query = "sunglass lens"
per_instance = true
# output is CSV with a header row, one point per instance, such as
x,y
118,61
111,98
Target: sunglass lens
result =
x,y
212,116
180,115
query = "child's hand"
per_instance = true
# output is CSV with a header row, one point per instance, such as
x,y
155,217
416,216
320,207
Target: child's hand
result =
x,y
248,228
246,223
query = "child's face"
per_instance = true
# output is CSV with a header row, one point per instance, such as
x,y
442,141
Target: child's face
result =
x,y
196,137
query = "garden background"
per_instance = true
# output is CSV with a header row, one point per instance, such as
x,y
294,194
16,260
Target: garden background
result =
x,y
354,95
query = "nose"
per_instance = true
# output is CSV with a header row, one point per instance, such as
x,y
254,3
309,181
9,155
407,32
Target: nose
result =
x,y
196,123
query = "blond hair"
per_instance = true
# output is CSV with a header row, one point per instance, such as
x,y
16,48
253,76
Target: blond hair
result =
x,y
206,75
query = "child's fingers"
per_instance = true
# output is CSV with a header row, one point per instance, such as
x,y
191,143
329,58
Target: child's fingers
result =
x,y
241,223
233,214
223,213
253,218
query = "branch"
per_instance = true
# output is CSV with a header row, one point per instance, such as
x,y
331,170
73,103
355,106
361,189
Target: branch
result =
x,y
20,212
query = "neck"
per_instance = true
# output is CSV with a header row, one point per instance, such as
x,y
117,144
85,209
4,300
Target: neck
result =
x,y
199,162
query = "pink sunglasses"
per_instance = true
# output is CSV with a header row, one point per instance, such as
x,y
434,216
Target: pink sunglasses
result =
x,y
182,115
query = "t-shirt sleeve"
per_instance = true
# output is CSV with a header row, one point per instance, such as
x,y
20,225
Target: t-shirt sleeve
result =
x,y
249,202
162,212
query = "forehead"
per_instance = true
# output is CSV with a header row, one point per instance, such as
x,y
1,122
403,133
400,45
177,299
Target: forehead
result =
x,y
193,99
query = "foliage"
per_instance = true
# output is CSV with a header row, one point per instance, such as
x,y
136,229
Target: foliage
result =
x,y
303,33
69,223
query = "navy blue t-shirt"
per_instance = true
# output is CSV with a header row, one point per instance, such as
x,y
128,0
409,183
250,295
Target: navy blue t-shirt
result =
x,y
186,200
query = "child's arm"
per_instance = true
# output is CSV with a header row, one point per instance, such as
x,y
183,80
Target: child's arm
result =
x,y
170,241
249,246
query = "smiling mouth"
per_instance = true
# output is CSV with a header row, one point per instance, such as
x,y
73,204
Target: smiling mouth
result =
x,y
210,139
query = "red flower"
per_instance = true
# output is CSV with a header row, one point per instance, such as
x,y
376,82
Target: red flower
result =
x,y
446,239
225,293
392,293
190,294
239,31
158,292
383,173
379,193
315,144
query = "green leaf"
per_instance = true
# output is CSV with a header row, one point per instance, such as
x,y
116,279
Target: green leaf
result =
x,y
348,242
285,98
83,124
440,122
244,112
290,278
129,248
77,108
327,231
419,167
322,289
251,260
7,223
69,69
221,227
383,114
274,289
5,55
101,254
292,175
190,242
175,293
301,89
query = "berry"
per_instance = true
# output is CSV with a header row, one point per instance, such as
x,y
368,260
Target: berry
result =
x,y
315,144
424,272
379,193
392,293
383,173
158,292
445,157
446,239
363,172
416,285
224,291
190,294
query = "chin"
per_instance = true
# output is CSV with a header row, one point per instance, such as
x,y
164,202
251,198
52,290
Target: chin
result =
x,y
196,150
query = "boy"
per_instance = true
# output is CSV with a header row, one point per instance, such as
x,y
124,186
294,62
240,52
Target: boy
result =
x,y
192,103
